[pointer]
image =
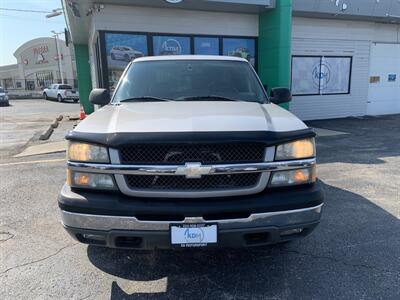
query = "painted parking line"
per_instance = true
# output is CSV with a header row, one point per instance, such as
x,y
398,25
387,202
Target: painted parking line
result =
x,y
322,132
47,161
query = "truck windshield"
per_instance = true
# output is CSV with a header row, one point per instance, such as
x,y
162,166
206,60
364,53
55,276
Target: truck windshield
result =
x,y
190,80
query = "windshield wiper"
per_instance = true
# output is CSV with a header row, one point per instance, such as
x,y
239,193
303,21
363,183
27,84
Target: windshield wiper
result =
x,y
217,98
144,98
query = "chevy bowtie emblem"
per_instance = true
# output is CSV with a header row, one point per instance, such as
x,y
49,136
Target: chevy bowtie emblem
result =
x,y
193,170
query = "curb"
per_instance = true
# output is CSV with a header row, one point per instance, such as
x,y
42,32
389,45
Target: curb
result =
x,y
46,134
73,118
54,124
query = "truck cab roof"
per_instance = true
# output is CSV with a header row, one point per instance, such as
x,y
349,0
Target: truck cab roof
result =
x,y
190,57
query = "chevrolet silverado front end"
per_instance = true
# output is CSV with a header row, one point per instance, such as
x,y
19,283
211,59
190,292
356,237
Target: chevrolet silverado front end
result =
x,y
190,152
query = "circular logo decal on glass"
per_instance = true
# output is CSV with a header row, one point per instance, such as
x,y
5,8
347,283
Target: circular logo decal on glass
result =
x,y
322,75
171,47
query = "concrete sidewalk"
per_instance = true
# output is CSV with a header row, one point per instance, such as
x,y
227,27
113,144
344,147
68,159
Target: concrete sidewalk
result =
x,y
45,148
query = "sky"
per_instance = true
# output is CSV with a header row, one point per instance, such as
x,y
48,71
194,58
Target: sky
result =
x,y
16,28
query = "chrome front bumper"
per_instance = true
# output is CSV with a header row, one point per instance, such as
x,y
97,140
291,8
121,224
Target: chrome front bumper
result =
x,y
273,219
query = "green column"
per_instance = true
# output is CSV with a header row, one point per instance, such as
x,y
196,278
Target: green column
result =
x,y
274,45
84,77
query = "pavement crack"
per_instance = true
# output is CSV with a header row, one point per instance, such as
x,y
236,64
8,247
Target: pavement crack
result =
x,y
39,260
5,236
336,260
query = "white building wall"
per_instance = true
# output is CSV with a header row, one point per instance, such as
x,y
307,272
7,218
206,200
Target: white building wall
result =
x,y
67,61
161,20
342,38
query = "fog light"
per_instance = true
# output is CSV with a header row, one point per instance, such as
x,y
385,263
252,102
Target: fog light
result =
x,y
90,180
94,237
291,231
293,177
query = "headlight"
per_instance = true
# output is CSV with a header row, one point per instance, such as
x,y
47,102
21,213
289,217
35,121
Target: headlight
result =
x,y
90,180
296,150
293,177
88,153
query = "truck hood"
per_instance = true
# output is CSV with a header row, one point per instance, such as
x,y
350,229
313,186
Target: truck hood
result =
x,y
201,116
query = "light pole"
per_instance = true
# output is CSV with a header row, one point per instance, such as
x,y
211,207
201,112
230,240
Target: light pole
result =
x,y
59,55
55,12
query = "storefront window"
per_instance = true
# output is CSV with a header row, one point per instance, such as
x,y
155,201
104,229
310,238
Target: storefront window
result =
x,y
206,46
118,49
320,75
44,79
171,45
121,48
338,70
305,80
8,83
245,48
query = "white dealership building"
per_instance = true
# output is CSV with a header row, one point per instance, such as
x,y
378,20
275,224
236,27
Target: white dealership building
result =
x,y
39,64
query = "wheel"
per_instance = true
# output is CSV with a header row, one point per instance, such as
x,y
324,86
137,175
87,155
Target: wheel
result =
x,y
59,98
45,96
112,56
127,58
76,100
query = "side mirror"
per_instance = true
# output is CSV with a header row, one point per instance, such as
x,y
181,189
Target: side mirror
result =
x,y
100,97
280,95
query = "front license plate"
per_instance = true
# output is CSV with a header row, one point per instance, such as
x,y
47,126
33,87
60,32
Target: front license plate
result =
x,y
194,235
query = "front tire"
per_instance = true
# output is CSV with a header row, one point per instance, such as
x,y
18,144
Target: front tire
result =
x,y
59,98
112,56
45,96
76,100
127,58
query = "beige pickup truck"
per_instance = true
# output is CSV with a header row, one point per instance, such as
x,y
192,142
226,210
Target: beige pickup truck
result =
x,y
190,151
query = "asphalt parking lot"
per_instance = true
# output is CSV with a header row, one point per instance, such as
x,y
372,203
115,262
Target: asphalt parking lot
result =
x,y
22,122
353,254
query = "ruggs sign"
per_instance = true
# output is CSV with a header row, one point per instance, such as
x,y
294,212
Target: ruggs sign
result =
x,y
40,54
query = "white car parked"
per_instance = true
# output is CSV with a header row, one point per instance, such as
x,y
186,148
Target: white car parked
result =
x,y
124,53
61,92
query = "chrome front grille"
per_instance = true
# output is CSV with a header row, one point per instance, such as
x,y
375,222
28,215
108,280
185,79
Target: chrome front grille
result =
x,y
182,155
146,175
165,154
